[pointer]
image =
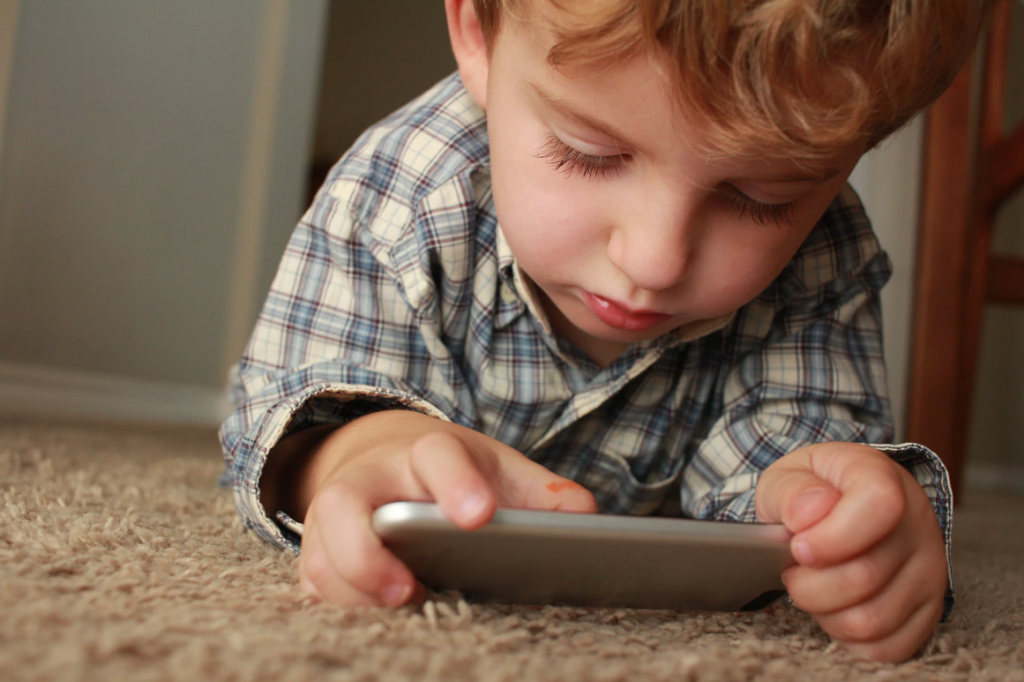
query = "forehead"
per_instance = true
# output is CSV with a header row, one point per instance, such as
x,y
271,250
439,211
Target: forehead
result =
x,y
624,87
725,121
635,99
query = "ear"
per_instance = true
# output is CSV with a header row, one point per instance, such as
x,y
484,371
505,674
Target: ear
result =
x,y
469,47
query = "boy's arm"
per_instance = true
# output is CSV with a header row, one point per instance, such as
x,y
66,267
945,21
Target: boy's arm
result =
x,y
351,399
339,337
292,470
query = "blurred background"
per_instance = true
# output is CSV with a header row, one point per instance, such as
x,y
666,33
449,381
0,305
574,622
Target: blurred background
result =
x,y
155,156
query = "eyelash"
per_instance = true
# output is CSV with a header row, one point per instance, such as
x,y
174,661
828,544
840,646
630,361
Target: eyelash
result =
x,y
565,159
570,161
759,212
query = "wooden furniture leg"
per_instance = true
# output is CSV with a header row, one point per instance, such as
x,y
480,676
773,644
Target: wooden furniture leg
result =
x,y
970,171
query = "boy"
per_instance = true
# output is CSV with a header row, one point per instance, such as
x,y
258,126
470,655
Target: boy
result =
x,y
637,284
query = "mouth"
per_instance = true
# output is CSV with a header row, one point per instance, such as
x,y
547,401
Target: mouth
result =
x,y
619,316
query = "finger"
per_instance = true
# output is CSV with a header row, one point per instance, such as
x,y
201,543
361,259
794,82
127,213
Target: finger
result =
x,y
905,642
443,464
305,584
352,561
315,568
419,595
834,588
340,592
542,489
458,475
525,484
892,608
796,497
873,501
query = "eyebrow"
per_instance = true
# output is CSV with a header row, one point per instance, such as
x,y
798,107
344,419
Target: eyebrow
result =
x,y
579,118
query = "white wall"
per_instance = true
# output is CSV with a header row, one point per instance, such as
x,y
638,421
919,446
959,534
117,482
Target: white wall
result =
x,y
147,149
888,180
152,168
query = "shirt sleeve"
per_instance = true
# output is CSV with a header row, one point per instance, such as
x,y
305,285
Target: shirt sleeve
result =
x,y
344,331
816,375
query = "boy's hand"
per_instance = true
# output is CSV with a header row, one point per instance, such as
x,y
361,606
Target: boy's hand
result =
x,y
407,456
871,557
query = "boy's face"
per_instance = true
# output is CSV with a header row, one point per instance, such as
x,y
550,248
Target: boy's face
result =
x,y
625,228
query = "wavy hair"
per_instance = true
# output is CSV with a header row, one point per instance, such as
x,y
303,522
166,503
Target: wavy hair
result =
x,y
801,78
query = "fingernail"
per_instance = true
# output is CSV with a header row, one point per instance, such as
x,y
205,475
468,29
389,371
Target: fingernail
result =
x,y
802,552
396,595
473,505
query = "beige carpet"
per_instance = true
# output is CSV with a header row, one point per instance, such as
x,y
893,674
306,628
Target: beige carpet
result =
x,y
121,560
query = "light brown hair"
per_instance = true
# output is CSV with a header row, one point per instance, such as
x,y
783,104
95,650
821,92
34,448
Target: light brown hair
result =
x,y
801,78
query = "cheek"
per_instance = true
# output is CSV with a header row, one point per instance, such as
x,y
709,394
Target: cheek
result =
x,y
546,237
756,259
737,269
542,212
545,217
748,257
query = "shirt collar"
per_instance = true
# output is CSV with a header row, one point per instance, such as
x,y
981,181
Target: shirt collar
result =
x,y
698,329
521,285
516,294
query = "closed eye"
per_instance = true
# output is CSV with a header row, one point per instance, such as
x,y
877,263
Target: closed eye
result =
x,y
572,161
759,212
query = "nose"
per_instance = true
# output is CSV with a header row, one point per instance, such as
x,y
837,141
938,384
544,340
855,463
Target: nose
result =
x,y
654,239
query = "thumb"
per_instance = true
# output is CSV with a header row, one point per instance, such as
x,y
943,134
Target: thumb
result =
x,y
568,495
795,497
529,485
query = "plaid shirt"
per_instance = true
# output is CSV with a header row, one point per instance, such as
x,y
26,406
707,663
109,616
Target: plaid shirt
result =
x,y
398,290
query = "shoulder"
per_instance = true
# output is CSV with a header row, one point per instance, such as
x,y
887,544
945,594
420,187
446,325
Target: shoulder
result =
x,y
426,149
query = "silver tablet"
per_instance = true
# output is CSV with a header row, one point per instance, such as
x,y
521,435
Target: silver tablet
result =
x,y
541,557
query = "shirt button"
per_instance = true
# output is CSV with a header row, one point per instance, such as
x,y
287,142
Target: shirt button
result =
x,y
508,295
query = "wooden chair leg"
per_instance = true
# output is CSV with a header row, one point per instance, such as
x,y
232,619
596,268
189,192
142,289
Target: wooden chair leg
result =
x,y
954,261
941,275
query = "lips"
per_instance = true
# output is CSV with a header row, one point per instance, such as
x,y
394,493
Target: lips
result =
x,y
619,316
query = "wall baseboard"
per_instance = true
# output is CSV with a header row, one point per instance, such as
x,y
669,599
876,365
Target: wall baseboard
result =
x,y
1004,478
35,391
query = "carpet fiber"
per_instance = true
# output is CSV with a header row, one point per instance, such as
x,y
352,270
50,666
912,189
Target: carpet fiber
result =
x,y
120,559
